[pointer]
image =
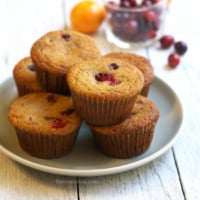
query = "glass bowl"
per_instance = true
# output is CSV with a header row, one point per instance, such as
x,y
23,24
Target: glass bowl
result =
x,y
135,27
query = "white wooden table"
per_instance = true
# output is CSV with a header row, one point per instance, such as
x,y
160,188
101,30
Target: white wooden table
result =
x,y
174,175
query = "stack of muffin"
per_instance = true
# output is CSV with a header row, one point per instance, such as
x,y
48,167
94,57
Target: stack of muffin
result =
x,y
66,81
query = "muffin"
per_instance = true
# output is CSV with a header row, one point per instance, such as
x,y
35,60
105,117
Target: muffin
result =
x,y
104,90
25,77
141,63
55,52
46,124
131,137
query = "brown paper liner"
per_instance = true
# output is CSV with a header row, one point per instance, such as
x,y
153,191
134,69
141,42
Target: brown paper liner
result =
x,y
145,91
22,90
125,145
52,82
102,112
46,146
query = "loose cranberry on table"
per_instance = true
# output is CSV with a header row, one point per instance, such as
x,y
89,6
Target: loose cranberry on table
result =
x,y
166,41
173,60
180,47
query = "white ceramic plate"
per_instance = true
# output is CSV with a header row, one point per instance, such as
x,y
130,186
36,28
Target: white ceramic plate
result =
x,y
85,159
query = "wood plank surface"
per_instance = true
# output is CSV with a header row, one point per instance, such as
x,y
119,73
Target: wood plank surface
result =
x,y
22,22
185,80
21,183
173,176
157,180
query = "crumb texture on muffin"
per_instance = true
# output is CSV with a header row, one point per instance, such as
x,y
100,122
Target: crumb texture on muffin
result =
x,y
24,74
43,113
46,124
56,51
105,77
142,63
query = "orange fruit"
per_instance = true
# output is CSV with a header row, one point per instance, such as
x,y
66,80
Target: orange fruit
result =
x,y
87,16
169,1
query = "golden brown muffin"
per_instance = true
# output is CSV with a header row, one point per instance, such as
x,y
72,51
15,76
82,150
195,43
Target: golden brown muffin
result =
x,y
131,137
46,124
25,77
141,63
55,52
104,90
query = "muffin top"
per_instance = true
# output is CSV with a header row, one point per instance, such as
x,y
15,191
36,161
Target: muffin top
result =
x,y
24,74
106,78
56,51
144,114
43,113
138,61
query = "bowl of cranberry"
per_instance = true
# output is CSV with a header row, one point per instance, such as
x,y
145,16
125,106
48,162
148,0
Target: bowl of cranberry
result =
x,y
133,23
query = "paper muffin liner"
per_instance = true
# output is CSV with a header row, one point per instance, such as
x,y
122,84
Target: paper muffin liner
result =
x,y
125,145
145,90
23,89
102,111
44,145
52,82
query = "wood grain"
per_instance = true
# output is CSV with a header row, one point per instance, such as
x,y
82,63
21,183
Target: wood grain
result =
x,y
173,176
158,180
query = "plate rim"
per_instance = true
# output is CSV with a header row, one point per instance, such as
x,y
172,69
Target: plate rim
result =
x,y
104,171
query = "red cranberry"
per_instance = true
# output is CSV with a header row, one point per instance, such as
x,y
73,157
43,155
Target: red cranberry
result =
x,y
128,3
173,60
67,112
106,77
31,67
133,3
131,115
103,77
152,34
138,26
66,37
155,1
125,4
109,6
180,47
146,3
112,3
113,66
131,26
51,98
150,16
114,82
166,41
58,123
